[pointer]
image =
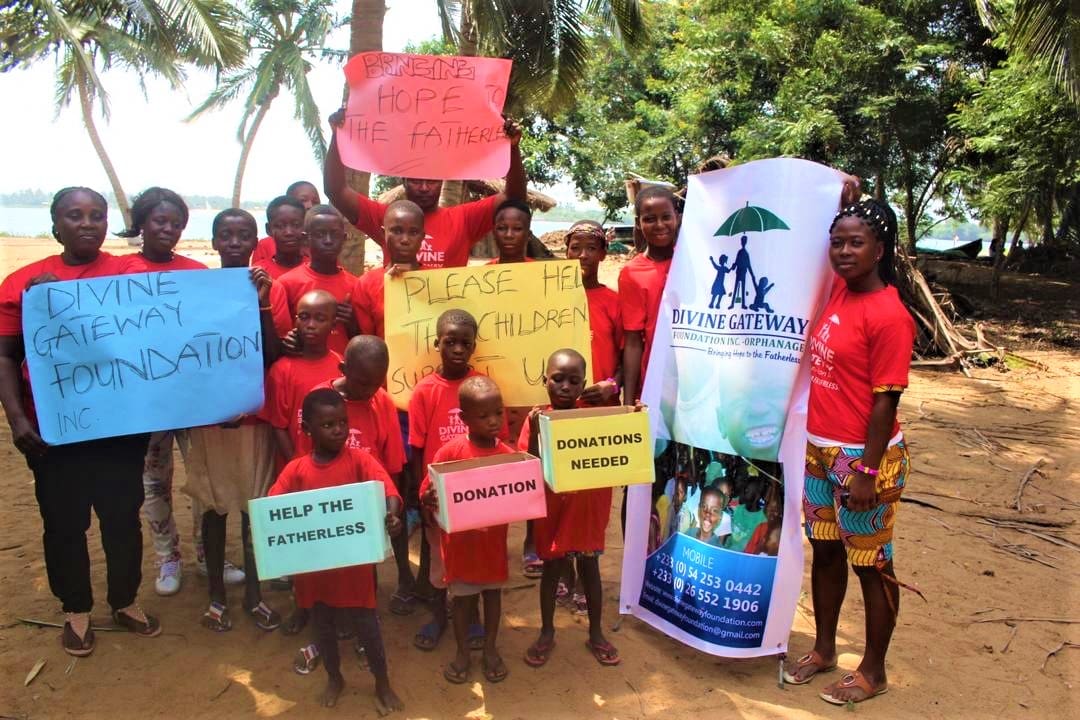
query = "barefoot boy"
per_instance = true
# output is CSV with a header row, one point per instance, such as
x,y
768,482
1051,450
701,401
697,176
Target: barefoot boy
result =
x,y
348,591
474,561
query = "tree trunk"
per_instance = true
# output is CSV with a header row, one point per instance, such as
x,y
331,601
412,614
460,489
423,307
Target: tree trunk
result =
x,y
245,151
365,35
997,245
453,191
88,120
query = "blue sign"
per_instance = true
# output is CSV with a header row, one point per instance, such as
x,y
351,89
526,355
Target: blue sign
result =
x,y
137,353
718,595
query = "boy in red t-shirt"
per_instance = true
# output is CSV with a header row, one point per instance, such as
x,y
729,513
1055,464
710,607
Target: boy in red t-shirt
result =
x,y
587,243
474,561
641,282
304,193
324,230
291,377
345,594
285,227
403,225
574,526
434,420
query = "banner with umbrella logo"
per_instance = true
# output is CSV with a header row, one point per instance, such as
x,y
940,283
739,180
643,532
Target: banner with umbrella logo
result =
x,y
714,557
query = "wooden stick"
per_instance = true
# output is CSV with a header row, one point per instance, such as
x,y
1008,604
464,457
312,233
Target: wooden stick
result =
x,y
1015,629
46,623
1024,481
1064,644
1033,618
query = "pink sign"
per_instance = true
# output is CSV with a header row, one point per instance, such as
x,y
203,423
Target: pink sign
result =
x,y
488,491
425,116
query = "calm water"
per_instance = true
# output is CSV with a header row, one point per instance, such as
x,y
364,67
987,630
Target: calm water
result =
x,y
33,221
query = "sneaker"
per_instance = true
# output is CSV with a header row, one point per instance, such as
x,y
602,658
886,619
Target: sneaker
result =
x,y
168,579
232,575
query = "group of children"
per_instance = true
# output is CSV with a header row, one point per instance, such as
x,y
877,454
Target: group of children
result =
x,y
328,420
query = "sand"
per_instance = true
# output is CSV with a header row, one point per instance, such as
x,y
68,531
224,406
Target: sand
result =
x,y
971,442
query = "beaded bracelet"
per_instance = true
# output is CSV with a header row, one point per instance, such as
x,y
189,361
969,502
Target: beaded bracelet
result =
x,y
872,472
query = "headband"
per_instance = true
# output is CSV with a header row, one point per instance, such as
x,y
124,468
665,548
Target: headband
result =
x,y
587,230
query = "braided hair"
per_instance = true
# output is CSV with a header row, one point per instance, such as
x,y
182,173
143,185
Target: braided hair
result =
x,y
881,220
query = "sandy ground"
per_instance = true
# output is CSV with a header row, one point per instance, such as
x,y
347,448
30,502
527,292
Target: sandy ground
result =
x,y
972,440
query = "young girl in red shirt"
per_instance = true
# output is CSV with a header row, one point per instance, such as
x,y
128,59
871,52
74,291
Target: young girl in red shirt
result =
x,y
856,459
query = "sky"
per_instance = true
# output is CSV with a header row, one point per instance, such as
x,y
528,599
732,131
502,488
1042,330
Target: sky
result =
x,y
149,142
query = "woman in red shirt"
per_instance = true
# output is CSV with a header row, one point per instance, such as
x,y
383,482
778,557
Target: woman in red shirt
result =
x,y
856,460
69,480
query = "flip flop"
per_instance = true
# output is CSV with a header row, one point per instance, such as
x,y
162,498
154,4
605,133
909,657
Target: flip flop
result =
x,y
75,645
539,653
148,627
455,675
265,618
605,653
495,673
402,603
428,636
306,660
811,659
532,566
216,618
476,637
853,681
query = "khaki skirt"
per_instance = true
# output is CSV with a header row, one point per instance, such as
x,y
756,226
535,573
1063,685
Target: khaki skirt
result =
x,y
226,467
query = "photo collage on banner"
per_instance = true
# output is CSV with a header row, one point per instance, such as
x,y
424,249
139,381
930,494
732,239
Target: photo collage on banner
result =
x,y
713,549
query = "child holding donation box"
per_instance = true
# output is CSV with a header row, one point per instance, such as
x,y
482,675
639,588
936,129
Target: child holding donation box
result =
x,y
474,561
575,524
348,593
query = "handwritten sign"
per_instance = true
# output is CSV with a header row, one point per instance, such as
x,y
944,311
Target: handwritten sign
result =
x,y
319,529
136,353
525,311
494,490
425,116
595,447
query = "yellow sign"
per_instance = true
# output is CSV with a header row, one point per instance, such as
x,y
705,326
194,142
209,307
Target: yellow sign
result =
x,y
524,311
595,447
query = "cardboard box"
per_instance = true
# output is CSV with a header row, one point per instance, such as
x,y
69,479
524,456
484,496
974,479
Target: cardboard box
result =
x,y
595,447
319,529
488,491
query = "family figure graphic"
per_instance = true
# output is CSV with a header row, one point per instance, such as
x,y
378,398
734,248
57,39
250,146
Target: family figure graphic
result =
x,y
741,267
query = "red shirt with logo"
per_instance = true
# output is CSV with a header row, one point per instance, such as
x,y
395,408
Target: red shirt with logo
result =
x,y
862,345
141,263
641,285
373,427
303,279
352,586
450,231
477,556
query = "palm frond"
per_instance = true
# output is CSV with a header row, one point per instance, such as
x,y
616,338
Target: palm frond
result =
x,y
622,17
1050,29
228,89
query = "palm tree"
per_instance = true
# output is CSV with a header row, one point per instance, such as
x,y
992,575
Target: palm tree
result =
x,y
1048,29
152,37
284,37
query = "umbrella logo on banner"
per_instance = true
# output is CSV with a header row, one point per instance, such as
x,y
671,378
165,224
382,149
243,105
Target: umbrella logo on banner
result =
x,y
750,218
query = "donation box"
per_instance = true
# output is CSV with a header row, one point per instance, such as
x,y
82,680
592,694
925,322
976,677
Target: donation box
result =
x,y
589,448
494,490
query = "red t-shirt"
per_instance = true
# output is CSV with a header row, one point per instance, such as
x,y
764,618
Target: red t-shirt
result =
x,y
265,250
373,427
575,521
450,231
272,268
472,556
303,279
434,415
641,284
279,309
605,323
861,345
352,586
178,262
288,382
367,302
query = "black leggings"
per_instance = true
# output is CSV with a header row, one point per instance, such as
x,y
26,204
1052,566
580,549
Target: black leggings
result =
x,y
69,480
366,624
